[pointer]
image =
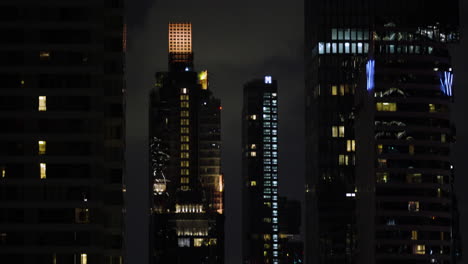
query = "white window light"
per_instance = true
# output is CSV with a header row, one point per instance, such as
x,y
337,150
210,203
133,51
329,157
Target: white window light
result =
x,y
267,79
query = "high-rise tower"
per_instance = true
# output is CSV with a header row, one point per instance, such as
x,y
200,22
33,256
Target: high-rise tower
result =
x,y
62,132
260,205
185,149
378,132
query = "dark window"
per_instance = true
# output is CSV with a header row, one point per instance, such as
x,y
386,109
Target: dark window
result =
x,y
65,36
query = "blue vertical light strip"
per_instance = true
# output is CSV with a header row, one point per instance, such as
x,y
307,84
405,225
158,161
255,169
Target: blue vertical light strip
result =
x,y
370,73
446,82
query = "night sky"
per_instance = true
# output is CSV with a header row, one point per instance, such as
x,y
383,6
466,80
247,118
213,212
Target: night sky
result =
x,y
238,41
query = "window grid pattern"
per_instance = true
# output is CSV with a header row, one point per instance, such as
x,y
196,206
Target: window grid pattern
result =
x,y
270,165
180,38
184,140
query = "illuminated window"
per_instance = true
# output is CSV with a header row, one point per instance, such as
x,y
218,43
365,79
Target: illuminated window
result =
x,y
44,55
439,192
185,188
443,138
253,183
42,103
334,90
414,235
84,259
184,172
440,179
81,215
253,154
413,178
382,177
184,163
253,146
203,79
184,242
253,117
350,145
184,104
382,163
334,131
184,180
411,149
342,90
184,147
341,131
386,107
184,130
184,155
184,122
413,206
184,139
419,249
3,171
184,113
184,97
198,242
183,90
432,108
379,149
343,160
42,147
42,167
266,237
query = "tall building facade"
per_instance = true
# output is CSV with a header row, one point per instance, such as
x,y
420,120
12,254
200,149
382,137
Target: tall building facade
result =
x,y
260,203
62,133
378,132
187,198
291,244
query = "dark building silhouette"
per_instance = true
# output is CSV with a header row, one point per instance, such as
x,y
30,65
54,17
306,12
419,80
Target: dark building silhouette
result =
x,y
290,212
291,244
62,132
187,198
260,203
379,181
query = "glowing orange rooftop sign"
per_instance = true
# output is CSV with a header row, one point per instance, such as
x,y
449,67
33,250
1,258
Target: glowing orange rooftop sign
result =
x,y
180,38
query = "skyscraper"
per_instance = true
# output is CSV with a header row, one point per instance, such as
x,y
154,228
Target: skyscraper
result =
x,y
291,244
260,205
187,198
62,132
378,131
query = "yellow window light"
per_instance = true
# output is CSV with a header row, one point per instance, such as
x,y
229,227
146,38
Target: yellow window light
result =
x,y
42,103
84,258
203,79
43,167
44,55
42,147
334,90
